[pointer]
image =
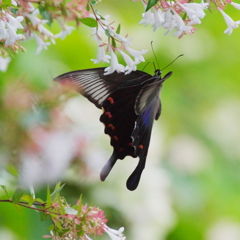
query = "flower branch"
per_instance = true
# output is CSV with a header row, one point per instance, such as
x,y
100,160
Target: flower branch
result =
x,y
68,222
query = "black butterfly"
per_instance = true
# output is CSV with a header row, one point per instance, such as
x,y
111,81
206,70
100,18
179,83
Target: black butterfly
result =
x,y
130,104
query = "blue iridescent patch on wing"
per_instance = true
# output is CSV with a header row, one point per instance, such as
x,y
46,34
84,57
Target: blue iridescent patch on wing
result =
x,y
147,115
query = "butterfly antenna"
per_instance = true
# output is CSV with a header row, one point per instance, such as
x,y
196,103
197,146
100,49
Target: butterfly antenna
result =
x,y
173,61
145,66
154,56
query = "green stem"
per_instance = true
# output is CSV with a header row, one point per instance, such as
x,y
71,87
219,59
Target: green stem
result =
x,y
22,204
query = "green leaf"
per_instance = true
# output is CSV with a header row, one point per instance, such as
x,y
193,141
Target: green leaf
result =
x,y
17,195
43,216
38,200
45,14
12,170
57,190
90,22
107,33
79,206
118,29
5,190
49,200
51,227
93,2
14,10
28,199
6,2
113,42
151,3
102,18
60,205
88,7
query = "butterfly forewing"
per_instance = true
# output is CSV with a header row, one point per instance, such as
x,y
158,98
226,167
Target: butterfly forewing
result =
x,y
95,86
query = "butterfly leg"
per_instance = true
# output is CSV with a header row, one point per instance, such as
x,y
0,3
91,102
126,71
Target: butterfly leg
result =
x,y
108,167
134,178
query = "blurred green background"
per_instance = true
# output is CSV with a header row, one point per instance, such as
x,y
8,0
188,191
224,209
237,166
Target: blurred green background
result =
x,y
190,189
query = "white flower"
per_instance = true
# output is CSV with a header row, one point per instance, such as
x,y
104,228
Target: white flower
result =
x,y
192,14
101,56
46,32
8,28
4,63
197,8
114,64
87,237
41,44
12,36
231,24
115,234
131,65
236,5
66,31
119,37
14,3
181,27
3,31
136,54
147,16
170,21
36,22
158,18
15,22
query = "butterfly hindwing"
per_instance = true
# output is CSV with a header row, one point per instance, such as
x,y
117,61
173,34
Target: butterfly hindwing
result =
x,y
142,132
119,119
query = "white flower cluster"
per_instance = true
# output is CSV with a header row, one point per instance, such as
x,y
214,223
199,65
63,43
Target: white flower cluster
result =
x,y
43,32
170,18
125,45
182,15
9,26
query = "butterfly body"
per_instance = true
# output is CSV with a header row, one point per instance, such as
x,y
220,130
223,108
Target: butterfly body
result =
x,y
130,103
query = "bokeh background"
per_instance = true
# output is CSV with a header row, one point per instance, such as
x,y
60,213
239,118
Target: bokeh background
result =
x,y
190,188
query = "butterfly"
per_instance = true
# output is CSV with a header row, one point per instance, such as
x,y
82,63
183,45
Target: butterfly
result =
x,y
130,103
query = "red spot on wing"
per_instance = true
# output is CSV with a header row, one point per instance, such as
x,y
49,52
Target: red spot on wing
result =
x,y
130,144
115,138
140,146
108,114
110,99
111,126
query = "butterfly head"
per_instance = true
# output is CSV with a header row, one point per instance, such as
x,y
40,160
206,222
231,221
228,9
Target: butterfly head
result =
x,y
158,74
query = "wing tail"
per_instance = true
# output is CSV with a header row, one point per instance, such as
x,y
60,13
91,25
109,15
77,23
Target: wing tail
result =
x,y
108,167
134,178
